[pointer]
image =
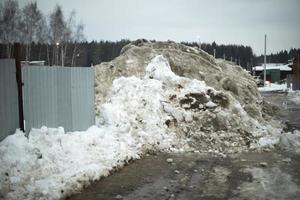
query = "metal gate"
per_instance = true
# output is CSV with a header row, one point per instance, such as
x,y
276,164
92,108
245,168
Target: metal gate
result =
x,y
9,109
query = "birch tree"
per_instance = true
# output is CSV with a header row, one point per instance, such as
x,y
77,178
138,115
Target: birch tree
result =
x,y
31,22
78,37
43,37
57,27
75,35
9,24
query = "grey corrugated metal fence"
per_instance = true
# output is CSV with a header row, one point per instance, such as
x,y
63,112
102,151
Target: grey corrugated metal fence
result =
x,y
58,96
9,113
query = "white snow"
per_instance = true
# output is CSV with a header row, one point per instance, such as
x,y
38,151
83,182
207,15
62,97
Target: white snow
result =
x,y
160,69
210,104
294,96
51,163
288,141
273,87
269,66
269,141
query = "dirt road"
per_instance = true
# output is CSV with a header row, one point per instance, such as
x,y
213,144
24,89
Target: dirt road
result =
x,y
269,175
252,176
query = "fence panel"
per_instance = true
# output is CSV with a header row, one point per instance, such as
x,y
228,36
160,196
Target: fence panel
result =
x,y
83,97
9,109
58,96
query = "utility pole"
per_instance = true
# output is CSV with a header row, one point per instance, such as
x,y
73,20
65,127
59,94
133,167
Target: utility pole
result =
x,y
214,53
265,60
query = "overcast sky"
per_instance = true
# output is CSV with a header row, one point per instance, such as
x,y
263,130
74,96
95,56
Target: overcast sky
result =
x,y
224,21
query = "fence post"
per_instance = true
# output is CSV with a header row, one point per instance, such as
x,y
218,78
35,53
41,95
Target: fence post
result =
x,y
17,55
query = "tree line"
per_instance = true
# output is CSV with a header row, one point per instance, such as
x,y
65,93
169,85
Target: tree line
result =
x,y
28,25
283,56
87,53
59,40
239,54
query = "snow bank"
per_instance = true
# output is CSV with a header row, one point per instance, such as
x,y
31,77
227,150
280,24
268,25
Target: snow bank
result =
x,y
294,96
288,141
186,111
273,87
51,164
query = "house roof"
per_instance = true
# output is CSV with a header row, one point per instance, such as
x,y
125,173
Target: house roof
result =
x,y
280,66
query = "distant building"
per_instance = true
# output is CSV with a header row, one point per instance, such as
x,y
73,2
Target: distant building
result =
x,y
296,66
35,62
274,71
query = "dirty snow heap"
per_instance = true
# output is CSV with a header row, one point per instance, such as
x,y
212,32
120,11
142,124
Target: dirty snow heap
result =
x,y
165,88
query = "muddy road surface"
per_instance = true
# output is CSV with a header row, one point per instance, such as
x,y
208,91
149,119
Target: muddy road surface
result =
x,y
268,175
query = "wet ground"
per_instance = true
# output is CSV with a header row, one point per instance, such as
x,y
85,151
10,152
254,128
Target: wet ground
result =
x,y
192,176
188,176
289,111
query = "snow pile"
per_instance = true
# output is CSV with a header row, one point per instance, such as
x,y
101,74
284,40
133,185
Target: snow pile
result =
x,y
52,164
186,62
186,111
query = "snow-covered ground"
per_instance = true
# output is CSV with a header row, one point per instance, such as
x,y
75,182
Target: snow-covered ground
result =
x,y
273,87
294,96
51,164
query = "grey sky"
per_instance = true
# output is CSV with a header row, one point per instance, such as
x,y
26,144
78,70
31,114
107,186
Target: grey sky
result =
x,y
224,21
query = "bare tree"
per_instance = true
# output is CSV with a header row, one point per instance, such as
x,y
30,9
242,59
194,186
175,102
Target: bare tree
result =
x,y
73,34
65,32
67,36
31,19
77,38
9,24
43,36
57,27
